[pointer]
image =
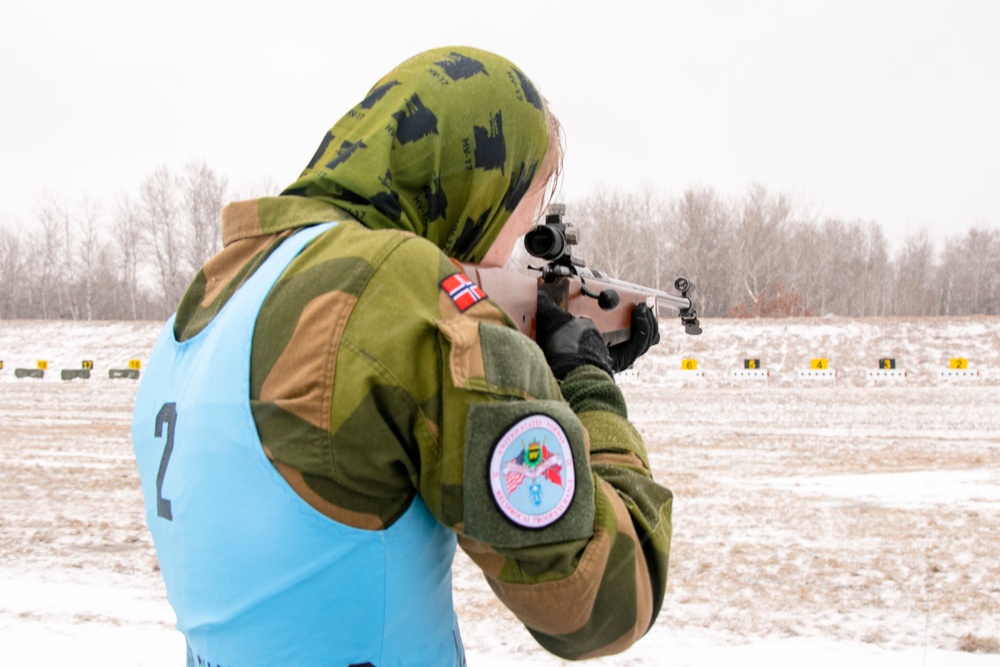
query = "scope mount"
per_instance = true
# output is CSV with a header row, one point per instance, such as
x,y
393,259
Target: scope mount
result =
x,y
554,241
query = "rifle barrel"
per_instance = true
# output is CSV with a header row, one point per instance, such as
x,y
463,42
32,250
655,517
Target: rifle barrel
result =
x,y
666,299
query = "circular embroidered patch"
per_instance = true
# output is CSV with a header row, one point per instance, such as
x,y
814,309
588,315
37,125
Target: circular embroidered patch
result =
x,y
532,479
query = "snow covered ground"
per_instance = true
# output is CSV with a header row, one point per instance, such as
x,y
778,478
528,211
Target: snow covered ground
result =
x,y
816,521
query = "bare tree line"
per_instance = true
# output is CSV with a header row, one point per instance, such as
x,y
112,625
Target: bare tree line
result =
x,y
754,256
133,261
750,256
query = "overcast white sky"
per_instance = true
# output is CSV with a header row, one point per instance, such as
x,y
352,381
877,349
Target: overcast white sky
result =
x,y
879,110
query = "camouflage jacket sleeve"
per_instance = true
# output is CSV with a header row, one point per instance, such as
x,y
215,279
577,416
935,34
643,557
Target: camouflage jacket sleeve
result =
x,y
592,582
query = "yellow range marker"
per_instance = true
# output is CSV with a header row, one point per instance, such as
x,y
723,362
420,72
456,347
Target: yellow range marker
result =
x,y
819,364
689,364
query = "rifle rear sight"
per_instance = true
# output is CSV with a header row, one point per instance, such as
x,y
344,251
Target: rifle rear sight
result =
x,y
553,241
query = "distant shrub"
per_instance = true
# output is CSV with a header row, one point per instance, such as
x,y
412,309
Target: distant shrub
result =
x,y
973,644
775,301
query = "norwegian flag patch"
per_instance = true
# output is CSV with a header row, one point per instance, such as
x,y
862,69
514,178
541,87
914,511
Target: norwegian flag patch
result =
x,y
463,292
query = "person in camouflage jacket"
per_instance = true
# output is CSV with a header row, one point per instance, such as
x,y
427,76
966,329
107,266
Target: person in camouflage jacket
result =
x,y
379,373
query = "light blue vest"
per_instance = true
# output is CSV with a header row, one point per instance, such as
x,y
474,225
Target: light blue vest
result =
x,y
255,575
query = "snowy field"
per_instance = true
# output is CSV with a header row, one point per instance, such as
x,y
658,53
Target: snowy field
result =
x,y
818,521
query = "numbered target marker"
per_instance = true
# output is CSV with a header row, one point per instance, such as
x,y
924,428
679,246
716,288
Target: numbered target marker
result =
x,y
751,371
886,372
958,370
819,369
688,372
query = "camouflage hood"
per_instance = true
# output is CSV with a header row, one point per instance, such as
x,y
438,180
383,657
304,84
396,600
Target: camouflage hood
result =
x,y
444,146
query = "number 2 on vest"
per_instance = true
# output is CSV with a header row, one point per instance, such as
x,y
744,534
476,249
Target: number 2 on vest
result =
x,y
167,415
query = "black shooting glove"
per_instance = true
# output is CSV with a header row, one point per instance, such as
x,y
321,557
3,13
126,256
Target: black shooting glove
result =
x,y
645,334
568,342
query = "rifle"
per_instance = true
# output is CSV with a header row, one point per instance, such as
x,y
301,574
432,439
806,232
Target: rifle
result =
x,y
576,289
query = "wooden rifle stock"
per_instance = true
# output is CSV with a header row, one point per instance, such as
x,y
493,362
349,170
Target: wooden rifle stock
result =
x,y
516,293
607,302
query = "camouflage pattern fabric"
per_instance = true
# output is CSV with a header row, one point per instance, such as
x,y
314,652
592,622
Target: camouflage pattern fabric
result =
x,y
370,384
407,157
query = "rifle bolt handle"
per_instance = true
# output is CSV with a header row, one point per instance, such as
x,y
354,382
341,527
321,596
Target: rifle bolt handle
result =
x,y
608,299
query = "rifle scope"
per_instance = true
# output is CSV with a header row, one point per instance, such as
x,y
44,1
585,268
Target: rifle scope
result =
x,y
550,241
545,242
